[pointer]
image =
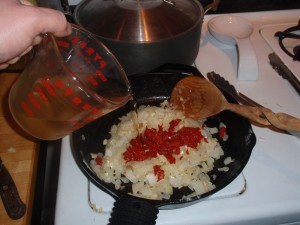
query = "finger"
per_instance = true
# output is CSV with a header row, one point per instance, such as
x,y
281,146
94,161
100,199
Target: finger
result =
x,y
55,22
38,39
26,51
14,60
25,2
3,66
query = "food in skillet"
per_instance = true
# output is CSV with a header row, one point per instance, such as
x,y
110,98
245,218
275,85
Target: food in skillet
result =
x,y
167,151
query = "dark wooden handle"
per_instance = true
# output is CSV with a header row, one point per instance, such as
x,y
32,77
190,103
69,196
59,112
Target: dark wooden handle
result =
x,y
13,204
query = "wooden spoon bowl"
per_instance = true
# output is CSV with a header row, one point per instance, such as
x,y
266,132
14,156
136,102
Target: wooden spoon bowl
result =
x,y
198,99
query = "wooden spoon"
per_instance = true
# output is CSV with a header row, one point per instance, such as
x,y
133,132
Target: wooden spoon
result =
x,y
198,98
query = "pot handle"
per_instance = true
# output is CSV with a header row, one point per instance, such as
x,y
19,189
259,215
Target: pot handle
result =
x,y
209,5
178,68
133,211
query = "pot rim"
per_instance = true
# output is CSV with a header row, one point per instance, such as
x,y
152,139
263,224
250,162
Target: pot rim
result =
x,y
197,23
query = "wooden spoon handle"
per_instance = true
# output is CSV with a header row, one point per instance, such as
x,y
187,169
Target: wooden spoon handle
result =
x,y
266,117
250,112
282,120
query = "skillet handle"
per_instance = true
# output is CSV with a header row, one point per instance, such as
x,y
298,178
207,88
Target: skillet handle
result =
x,y
133,211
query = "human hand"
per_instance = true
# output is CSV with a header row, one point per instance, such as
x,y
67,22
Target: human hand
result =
x,y
22,23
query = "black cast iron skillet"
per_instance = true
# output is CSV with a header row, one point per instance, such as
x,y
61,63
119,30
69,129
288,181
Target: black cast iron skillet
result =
x,y
153,88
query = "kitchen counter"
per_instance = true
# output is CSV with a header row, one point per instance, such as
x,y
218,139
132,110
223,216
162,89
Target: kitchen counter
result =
x,y
19,154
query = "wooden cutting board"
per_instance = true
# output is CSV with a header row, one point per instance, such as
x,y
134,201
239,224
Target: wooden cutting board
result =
x,y
19,154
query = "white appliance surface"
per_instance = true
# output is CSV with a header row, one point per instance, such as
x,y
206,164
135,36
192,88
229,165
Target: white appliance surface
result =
x,y
268,190
268,34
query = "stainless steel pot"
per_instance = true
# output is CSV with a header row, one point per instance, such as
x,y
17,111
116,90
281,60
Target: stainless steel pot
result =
x,y
144,34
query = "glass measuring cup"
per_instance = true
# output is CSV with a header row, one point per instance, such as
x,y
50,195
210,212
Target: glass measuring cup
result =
x,y
70,82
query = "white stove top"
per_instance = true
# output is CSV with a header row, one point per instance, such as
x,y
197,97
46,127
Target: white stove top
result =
x,y
268,190
268,34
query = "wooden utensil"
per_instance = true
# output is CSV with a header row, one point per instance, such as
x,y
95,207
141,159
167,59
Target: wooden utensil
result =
x,y
13,204
198,98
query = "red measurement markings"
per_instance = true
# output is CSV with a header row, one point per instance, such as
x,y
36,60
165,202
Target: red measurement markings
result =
x,y
84,57
49,88
75,40
63,44
101,75
60,84
92,80
80,123
92,55
41,94
90,51
83,45
68,92
33,100
77,101
86,107
26,108
95,111
77,124
102,62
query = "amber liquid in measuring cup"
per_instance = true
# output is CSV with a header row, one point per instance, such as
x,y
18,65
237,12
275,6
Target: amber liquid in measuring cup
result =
x,y
71,82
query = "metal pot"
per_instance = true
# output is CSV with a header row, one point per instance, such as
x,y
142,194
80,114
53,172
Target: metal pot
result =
x,y
144,34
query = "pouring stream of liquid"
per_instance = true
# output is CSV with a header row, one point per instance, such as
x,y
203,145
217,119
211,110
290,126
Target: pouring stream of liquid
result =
x,y
198,98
